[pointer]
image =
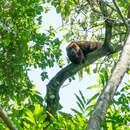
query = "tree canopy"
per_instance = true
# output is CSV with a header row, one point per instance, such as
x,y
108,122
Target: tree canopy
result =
x,y
23,47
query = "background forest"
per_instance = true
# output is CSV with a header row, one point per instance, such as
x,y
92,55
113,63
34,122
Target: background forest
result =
x,y
25,45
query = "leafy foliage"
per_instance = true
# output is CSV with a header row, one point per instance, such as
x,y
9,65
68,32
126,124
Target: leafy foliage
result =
x,y
23,46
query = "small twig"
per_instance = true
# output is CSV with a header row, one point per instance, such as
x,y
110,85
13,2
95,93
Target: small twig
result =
x,y
115,22
117,34
110,6
65,85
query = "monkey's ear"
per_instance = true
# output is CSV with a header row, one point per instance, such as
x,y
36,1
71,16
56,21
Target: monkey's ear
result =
x,y
72,45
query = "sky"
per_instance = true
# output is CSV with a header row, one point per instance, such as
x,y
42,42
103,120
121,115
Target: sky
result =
x,y
68,89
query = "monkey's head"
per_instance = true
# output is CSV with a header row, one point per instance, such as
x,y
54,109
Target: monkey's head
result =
x,y
77,51
75,54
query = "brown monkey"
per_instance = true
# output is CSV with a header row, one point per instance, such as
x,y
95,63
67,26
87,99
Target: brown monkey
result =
x,y
76,51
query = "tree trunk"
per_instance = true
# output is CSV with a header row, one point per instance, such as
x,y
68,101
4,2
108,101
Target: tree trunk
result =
x,y
106,97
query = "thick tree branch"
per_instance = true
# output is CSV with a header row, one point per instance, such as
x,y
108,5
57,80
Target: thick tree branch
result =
x,y
56,82
54,85
104,100
108,24
6,120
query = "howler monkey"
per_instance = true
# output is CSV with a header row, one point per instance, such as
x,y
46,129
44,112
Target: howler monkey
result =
x,y
77,50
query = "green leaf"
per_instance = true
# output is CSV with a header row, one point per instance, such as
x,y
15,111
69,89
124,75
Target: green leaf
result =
x,y
29,117
94,86
80,102
93,98
38,110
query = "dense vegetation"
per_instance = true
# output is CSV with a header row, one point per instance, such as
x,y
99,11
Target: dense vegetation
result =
x,y
23,47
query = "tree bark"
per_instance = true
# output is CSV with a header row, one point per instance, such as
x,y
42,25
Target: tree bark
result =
x,y
106,97
53,87
7,121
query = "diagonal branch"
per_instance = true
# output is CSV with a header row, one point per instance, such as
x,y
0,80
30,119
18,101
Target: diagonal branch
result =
x,y
6,120
108,24
121,15
53,87
104,12
107,95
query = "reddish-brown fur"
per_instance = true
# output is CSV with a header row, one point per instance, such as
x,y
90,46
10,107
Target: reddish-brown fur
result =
x,y
76,51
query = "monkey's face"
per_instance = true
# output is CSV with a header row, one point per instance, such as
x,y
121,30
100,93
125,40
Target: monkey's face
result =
x,y
73,55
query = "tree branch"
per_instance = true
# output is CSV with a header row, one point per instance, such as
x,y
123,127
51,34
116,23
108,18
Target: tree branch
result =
x,y
105,98
108,24
105,14
54,85
7,121
121,15
115,22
